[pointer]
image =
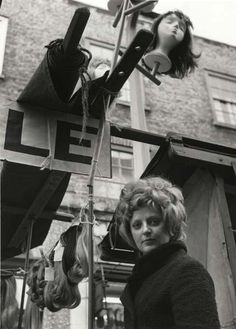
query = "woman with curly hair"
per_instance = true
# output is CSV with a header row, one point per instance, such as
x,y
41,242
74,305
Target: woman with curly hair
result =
x,y
167,288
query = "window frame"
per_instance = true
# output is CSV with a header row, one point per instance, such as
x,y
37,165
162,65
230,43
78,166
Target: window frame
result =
x,y
124,149
224,76
110,46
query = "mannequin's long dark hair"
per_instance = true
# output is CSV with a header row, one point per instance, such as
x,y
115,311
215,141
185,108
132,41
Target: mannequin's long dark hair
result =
x,y
182,57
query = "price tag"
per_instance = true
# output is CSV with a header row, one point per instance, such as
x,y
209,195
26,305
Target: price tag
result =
x,y
58,252
49,273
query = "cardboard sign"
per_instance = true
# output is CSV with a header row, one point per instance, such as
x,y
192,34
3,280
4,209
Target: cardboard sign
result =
x,y
34,136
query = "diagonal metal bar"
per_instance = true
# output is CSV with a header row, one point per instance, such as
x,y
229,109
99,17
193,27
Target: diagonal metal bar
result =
x,y
145,72
234,166
139,6
29,240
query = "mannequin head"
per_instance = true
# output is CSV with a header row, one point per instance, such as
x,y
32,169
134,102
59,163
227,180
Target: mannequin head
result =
x,y
173,36
171,31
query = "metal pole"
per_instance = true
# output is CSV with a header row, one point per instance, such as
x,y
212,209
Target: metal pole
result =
x,y
137,111
118,41
97,149
90,260
29,239
139,6
96,153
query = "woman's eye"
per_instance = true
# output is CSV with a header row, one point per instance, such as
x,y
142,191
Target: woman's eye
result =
x,y
155,221
136,226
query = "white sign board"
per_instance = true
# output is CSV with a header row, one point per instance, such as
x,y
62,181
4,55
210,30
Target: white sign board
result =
x,y
34,136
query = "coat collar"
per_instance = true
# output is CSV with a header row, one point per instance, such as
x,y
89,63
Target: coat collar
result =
x,y
151,263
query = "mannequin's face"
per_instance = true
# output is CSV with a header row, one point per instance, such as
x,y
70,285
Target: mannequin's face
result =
x,y
171,31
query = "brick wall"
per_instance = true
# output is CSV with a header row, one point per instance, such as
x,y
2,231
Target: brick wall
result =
x,y
178,106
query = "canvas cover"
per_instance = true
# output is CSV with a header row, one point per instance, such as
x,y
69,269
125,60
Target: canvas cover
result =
x,y
20,185
206,240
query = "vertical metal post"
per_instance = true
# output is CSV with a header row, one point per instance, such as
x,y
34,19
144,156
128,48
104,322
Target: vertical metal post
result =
x,y
29,239
96,153
118,41
137,111
90,260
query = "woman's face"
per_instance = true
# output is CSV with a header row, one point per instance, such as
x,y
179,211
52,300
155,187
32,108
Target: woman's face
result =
x,y
148,229
171,28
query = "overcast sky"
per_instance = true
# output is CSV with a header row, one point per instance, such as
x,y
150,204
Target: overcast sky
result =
x,y
212,19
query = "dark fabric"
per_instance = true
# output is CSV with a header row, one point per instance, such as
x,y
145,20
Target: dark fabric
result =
x,y
20,185
170,290
151,262
41,92
64,68
55,79
114,248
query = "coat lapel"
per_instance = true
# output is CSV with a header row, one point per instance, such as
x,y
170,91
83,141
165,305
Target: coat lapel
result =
x,y
127,300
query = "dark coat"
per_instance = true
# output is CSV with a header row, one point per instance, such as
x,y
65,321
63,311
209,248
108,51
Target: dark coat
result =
x,y
170,290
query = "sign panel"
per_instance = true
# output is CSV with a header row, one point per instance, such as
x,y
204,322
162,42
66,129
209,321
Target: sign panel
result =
x,y
51,139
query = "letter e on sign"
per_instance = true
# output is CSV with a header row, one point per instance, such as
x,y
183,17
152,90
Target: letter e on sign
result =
x,y
30,134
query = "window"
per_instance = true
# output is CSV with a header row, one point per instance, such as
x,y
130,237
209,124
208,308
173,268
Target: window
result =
x,y
122,165
222,89
105,51
3,35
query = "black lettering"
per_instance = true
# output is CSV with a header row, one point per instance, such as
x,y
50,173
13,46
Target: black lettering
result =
x,y
64,140
13,136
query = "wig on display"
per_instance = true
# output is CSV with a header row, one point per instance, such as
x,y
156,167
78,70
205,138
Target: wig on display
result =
x,y
71,266
63,291
36,281
69,269
182,57
9,305
33,313
60,293
68,263
81,251
33,316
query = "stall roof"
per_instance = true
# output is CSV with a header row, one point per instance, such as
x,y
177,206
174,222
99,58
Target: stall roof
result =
x,y
179,156
176,159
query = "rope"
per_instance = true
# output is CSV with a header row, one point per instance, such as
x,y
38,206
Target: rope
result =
x,y
85,94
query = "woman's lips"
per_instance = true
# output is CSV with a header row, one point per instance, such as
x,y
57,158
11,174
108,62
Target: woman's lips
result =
x,y
148,241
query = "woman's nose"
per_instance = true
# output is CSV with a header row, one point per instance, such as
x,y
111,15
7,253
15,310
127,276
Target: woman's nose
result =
x,y
146,228
176,24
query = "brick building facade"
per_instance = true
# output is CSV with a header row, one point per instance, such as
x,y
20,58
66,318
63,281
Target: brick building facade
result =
x,y
196,106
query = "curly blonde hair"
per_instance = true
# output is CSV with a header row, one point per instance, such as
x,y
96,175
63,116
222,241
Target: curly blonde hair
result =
x,y
157,193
